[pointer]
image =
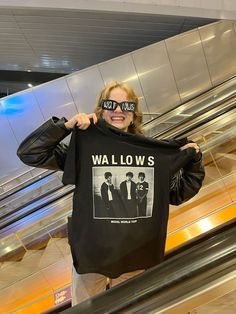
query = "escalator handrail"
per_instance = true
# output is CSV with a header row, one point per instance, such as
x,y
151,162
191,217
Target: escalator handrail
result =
x,y
172,111
24,184
193,123
33,207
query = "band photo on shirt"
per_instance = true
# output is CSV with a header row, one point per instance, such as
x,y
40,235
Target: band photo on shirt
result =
x,y
123,192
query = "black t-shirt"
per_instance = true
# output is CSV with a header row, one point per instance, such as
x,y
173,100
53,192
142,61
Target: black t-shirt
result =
x,y
106,233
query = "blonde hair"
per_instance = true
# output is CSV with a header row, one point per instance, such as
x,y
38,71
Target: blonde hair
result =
x,y
136,126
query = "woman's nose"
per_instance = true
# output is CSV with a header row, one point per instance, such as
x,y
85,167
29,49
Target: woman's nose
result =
x,y
118,109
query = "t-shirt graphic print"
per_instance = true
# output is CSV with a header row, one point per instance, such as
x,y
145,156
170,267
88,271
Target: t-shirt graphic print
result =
x,y
118,194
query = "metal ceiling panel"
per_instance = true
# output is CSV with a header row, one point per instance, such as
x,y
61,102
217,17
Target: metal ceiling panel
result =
x,y
6,18
83,31
100,42
12,50
101,26
54,99
107,34
191,77
16,40
11,37
8,25
102,15
156,78
219,43
5,11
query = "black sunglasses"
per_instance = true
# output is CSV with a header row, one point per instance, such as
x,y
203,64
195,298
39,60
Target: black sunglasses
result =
x,y
109,104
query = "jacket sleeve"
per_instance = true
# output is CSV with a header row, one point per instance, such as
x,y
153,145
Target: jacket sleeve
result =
x,y
187,182
42,148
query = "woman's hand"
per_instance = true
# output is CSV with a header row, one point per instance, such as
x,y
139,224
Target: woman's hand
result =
x,y
81,120
193,145
198,154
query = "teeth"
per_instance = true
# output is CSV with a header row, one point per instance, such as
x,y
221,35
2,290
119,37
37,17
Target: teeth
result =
x,y
117,118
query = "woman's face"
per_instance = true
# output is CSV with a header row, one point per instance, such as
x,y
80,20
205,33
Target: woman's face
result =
x,y
118,118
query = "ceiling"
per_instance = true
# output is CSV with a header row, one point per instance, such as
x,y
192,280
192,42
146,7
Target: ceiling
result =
x,y
63,41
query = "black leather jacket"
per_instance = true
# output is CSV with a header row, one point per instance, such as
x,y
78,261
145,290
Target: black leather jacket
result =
x,y
42,148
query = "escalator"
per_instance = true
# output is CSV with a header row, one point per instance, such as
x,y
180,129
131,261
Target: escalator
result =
x,y
34,224
191,276
179,122
31,198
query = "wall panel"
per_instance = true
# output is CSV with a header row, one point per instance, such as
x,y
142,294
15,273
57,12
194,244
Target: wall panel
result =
x,y
156,78
123,69
219,43
85,86
54,99
23,113
9,162
189,64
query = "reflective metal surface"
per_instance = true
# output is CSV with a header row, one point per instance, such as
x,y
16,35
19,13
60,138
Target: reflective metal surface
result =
x,y
22,180
219,44
217,140
123,69
45,216
187,111
85,86
19,110
31,199
207,291
156,78
189,64
9,162
54,99
223,304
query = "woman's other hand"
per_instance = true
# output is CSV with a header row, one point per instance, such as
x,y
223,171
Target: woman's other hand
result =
x,y
81,120
193,145
198,154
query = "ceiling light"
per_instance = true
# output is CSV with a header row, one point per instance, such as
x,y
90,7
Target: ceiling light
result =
x,y
30,85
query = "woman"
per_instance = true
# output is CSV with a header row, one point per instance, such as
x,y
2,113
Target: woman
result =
x,y
105,250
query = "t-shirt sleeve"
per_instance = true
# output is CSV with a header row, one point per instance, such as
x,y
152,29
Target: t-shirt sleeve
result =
x,y
70,171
